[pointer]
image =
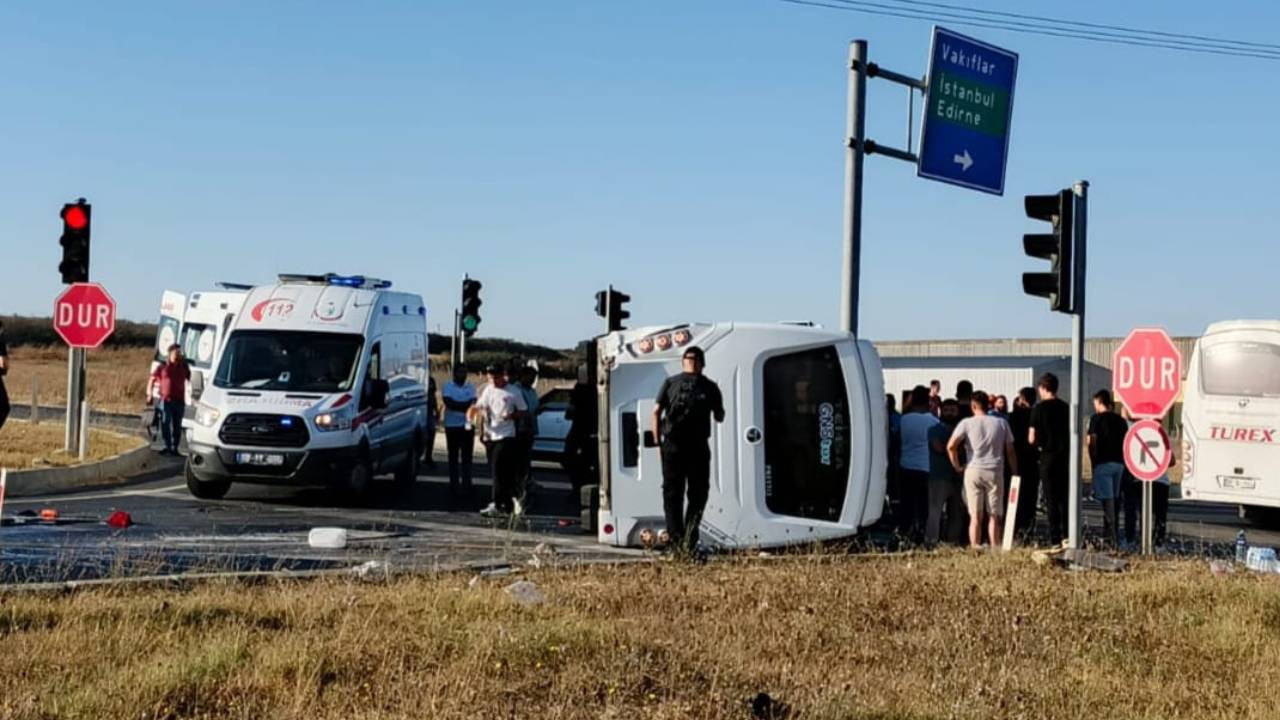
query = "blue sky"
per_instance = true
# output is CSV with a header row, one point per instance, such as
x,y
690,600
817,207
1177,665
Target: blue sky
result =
x,y
688,151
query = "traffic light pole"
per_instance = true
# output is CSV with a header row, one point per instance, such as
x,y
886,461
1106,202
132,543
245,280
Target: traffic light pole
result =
x,y
453,342
1079,230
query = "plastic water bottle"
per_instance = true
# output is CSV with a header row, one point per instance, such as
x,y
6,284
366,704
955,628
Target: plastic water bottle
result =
x,y
1242,547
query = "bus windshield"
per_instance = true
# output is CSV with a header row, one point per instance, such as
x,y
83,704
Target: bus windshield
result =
x,y
806,434
1250,369
290,361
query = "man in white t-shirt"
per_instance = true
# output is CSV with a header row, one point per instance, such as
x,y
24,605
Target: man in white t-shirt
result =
x,y
913,476
459,396
988,444
497,407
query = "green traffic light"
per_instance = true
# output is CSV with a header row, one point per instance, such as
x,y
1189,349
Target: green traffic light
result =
x,y
470,323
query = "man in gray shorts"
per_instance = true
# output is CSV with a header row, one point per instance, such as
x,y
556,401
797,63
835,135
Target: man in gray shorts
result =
x,y
988,444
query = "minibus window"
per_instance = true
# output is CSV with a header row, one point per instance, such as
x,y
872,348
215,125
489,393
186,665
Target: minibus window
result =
x,y
806,434
1250,369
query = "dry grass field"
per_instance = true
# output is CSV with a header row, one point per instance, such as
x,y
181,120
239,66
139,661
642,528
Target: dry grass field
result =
x,y
943,635
23,445
116,377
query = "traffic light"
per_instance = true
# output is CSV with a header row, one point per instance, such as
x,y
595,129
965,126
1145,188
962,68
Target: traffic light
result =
x,y
470,316
1056,247
75,242
609,306
617,313
602,304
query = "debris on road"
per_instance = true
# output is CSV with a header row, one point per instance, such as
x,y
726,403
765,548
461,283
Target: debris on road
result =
x,y
1074,559
764,707
1220,568
119,520
49,514
1262,559
329,538
526,593
372,570
542,555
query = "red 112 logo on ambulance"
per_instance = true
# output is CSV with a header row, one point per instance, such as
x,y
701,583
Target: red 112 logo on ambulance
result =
x,y
272,309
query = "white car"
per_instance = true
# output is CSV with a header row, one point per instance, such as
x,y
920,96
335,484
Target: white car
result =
x,y
553,427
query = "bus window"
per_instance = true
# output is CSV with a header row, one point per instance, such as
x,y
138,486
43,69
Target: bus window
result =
x,y
1251,369
806,434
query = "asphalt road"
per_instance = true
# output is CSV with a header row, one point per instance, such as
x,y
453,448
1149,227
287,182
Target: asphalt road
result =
x,y
258,528
265,528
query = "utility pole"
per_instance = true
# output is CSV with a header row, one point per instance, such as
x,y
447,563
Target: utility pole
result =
x,y
856,127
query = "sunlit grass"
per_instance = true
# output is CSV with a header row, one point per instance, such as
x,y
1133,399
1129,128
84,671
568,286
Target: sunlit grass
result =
x,y
947,634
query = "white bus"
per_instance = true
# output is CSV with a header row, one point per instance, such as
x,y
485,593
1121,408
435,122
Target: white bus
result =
x,y
1231,417
800,456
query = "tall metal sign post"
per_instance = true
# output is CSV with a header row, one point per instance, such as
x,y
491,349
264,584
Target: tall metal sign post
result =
x,y
1079,227
964,139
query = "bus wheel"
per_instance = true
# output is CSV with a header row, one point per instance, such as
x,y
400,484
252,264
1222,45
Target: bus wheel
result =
x,y
407,475
205,489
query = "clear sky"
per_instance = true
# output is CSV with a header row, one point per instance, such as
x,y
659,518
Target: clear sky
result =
x,y
688,151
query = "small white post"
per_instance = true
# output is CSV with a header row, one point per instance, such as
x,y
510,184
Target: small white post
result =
x,y
84,429
35,400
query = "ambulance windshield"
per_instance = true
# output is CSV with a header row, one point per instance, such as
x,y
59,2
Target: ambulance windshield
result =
x,y
291,361
806,434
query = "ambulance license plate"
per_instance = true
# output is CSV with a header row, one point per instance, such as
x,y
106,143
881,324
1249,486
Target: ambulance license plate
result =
x,y
257,458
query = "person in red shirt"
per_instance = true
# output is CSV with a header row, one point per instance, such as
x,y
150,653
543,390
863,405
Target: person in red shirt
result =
x,y
171,378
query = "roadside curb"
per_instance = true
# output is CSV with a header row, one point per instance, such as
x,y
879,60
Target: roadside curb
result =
x,y
113,471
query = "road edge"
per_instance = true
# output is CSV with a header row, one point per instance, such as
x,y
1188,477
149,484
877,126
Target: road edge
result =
x,y
115,470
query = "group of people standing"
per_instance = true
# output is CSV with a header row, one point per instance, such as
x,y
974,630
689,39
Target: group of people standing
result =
x,y
953,460
506,411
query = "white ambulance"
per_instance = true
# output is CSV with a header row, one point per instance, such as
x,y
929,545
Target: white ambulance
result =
x,y
322,380
800,456
1231,417
199,324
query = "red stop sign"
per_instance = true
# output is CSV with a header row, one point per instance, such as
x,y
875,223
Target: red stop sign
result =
x,y
1146,372
84,315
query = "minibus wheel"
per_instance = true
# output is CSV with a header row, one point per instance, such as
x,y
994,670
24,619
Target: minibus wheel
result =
x,y
205,489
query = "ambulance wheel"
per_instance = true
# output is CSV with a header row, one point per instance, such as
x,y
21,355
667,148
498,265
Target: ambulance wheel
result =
x,y
205,489
407,475
356,482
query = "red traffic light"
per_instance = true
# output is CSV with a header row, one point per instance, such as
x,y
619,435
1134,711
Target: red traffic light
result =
x,y
75,217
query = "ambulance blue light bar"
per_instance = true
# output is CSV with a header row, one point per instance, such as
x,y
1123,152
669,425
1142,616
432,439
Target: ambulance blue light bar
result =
x,y
357,281
351,281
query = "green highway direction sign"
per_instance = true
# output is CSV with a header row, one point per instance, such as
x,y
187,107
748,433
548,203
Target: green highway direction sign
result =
x,y
964,138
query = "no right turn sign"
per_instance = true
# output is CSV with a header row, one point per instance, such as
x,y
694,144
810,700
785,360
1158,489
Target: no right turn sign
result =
x,y
1147,452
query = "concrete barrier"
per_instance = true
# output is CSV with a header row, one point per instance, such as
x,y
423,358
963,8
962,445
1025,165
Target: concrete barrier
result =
x,y
112,471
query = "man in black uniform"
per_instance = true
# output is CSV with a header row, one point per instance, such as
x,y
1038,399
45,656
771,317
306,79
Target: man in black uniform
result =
x,y
682,425
1051,433
4,369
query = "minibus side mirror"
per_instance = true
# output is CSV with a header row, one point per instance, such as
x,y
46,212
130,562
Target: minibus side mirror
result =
x,y
197,385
